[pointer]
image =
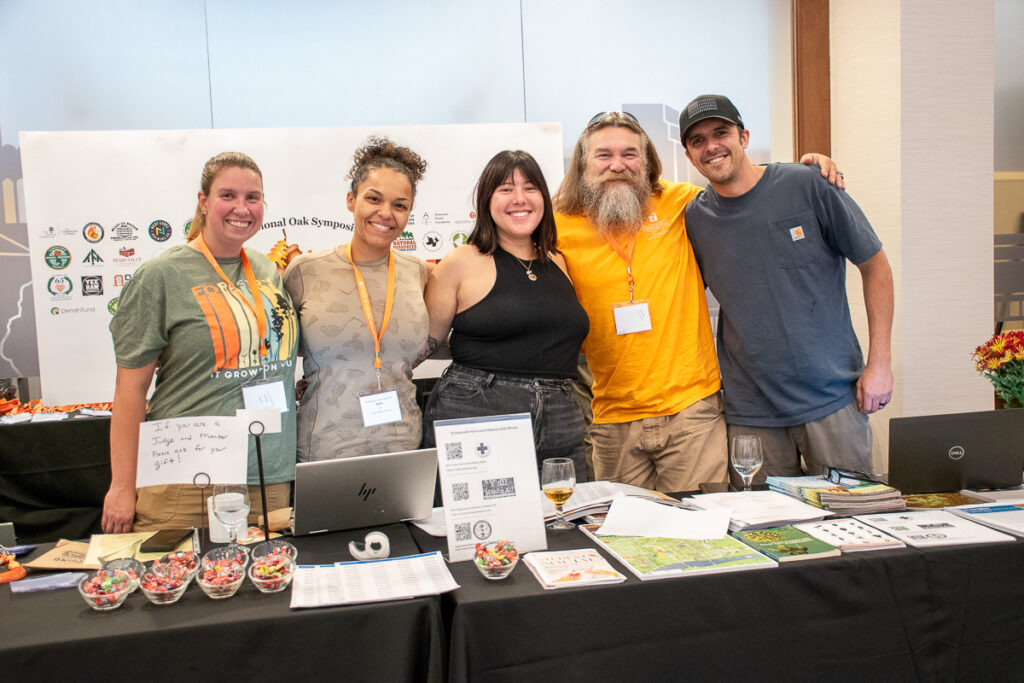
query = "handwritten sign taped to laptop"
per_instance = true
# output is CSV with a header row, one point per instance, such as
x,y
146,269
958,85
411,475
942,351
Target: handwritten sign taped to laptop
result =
x,y
173,451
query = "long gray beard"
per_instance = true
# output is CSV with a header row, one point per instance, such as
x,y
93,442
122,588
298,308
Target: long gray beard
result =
x,y
619,209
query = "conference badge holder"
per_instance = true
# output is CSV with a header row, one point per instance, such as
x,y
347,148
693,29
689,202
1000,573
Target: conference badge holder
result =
x,y
632,317
380,407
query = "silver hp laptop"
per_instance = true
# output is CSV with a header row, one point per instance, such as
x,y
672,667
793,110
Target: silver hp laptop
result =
x,y
935,453
369,490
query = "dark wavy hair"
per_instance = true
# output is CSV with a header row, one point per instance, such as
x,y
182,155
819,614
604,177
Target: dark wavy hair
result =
x,y
379,152
502,168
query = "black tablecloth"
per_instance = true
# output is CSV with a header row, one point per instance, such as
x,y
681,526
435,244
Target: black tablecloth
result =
x,y
53,476
894,615
54,635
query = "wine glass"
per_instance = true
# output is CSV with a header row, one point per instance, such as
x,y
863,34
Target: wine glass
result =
x,y
558,479
747,457
231,508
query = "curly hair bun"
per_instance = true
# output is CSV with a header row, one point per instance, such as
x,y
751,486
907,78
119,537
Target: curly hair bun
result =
x,y
380,152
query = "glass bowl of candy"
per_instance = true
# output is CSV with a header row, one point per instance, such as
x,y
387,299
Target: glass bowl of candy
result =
x,y
180,563
105,589
164,584
237,553
134,568
496,560
272,573
274,547
220,578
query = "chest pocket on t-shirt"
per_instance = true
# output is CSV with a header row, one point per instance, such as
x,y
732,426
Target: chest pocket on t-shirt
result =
x,y
796,241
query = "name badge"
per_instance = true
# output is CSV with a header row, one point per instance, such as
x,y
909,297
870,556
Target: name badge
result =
x,y
265,396
632,318
380,408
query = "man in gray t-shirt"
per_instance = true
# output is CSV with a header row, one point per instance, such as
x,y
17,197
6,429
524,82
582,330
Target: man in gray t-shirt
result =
x,y
772,243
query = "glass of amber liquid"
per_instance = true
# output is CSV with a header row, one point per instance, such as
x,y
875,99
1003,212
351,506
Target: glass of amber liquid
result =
x,y
558,479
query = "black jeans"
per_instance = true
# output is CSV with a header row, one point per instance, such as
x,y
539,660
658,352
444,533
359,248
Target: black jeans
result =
x,y
556,416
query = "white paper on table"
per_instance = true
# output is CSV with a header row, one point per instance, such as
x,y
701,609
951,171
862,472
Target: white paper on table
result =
x,y
434,524
49,417
489,483
15,419
637,517
270,418
173,451
759,508
349,583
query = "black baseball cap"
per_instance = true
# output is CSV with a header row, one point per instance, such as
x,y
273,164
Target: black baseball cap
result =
x,y
707,107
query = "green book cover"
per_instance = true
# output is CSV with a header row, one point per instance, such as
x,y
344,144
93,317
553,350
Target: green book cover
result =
x,y
786,543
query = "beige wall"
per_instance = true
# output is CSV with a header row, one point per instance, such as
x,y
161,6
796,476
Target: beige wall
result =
x,y
907,76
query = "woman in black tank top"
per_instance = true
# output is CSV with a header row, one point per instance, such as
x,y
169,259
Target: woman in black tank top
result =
x,y
516,326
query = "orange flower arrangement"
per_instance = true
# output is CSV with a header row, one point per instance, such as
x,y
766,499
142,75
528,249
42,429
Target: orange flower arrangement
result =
x,y
1001,360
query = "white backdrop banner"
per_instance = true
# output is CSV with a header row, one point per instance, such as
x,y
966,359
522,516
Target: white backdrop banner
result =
x,y
104,202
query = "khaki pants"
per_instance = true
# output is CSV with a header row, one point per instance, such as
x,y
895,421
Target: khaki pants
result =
x,y
670,454
842,439
181,506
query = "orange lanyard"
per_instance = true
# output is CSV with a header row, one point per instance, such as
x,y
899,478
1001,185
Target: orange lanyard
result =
x,y
626,255
364,297
256,305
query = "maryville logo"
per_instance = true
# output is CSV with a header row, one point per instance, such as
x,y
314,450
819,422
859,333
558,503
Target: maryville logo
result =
x,y
92,285
124,231
121,280
432,241
406,242
160,231
92,258
458,239
59,287
57,257
92,232
112,306
127,255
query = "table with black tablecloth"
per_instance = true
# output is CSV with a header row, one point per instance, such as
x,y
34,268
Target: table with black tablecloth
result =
x,y
943,614
251,636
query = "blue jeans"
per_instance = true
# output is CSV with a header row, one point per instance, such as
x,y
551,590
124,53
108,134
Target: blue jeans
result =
x,y
556,416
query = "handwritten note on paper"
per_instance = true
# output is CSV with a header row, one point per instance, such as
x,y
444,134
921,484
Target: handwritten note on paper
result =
x,y
173,451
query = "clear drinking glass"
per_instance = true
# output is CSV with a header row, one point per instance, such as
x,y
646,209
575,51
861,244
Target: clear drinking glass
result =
x,y
558,479
747,456
231,507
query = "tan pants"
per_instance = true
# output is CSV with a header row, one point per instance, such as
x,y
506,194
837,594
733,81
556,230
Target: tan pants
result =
x,y
181,506
670,454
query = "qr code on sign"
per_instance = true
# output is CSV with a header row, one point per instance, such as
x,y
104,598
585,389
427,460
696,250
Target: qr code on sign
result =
x,y
453,451
462,531
460,491
499,488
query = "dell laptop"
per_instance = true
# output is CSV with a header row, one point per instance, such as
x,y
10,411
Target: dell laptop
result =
x,y
936,453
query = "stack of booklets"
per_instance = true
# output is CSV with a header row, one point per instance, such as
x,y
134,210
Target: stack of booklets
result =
x,y
925,528
850,535
992,495
595,497
661,558
787,544
862,497
567,568
759,509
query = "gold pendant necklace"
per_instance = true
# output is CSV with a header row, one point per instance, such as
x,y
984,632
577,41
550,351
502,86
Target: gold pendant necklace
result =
x,y
528,267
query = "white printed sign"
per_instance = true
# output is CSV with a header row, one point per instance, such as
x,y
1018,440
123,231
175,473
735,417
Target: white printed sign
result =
x,y
174,451
489,483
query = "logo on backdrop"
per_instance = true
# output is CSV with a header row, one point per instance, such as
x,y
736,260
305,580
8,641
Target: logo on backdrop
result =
x,y
405,242
121,280
432,241
57,257
54,311
92,285
92,232
458,239
92,258
160,231
124,231
59,287
112,306
127,255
